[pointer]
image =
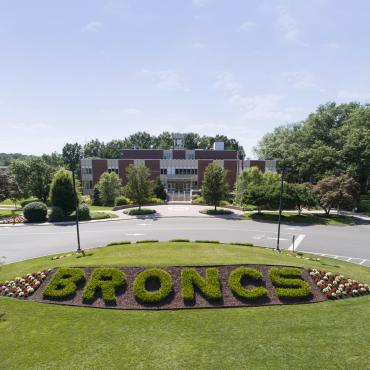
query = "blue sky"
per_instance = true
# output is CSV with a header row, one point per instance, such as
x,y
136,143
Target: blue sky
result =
x,y
78,70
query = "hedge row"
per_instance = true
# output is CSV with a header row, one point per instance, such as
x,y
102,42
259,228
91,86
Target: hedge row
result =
x,y
210,286
235,283
107,281
288,283
152,296
64,283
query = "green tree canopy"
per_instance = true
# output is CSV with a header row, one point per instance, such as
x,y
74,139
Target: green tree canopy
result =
x,y
139,187
214,186
333,141
109,186
61,191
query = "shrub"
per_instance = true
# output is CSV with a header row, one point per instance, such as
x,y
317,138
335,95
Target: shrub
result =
x,y
159,190
147,241
109,187
55,214
64,283
152,296
118,243
140,212
235,283
28,201
288,283
84,212
180,241
121,201
207,241
61,192
198,200
96,200
243,244
215,212
209,287
86,199
102,215
35,212
107,281
156,201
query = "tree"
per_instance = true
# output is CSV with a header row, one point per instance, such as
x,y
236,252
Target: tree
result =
x,y
141,139
93,149
4,185
163,141
251,176
14,192
109,186
33,176
214,186
139,186
337,192
62,192
72,153
301,195
332,141
159,190
96,200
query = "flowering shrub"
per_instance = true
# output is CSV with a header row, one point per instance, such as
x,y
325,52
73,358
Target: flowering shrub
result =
x,y
9,220
23,286
337,286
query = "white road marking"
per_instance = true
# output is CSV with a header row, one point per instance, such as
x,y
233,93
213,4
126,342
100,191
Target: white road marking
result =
x,y
362,262
348,259
276,238
297,242
134,234
258,237
144,224
292,228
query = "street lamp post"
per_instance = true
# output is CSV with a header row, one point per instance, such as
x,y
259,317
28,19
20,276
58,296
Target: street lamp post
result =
x,y
280,209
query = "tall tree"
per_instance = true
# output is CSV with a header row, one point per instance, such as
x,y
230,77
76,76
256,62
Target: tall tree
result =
x,y
337,192
93,149
214,186
4,185
109,186
163,141
141,139
139,187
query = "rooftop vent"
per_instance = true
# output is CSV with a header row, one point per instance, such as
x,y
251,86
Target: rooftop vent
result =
x,y
218,145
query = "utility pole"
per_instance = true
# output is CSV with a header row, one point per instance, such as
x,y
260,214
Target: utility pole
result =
x,y
280,209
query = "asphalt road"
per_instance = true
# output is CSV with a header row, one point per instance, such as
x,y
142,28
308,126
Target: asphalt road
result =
x,y
350,243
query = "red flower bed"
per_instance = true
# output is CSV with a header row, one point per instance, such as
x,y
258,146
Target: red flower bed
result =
x,y
336,286
23,286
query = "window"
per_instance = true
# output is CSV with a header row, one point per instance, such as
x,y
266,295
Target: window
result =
x,y
113,170
163,171
86,170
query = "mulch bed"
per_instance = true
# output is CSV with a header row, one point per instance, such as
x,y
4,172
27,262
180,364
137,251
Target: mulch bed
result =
x,y
126,299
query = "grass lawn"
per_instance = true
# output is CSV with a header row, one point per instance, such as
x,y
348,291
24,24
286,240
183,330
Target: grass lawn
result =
x,y
330,335
102,215
7,213
100,208
304,218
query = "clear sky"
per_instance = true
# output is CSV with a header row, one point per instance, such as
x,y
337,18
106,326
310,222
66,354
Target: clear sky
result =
x,y
78,70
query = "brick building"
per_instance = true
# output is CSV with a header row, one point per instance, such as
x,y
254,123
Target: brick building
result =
x,y
179,169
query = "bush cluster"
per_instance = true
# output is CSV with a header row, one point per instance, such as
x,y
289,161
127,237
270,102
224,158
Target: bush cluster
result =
x,y
288,283
118,243
155,296
207,241
140,212
35,212
107,281
179,241
146,241
84,212
235,283
121,201
210,286
64,283
56,214
27,201
215,212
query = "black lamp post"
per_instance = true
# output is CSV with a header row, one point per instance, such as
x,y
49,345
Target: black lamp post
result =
x,y
280,208
72,153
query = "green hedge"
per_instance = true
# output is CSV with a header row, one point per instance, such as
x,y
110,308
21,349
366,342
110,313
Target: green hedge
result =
x,y
210,286
147,241
288,283
207,241
55,214
121,201
35,212
118,243
213,212
155,296
243,244
107,281
237,288
179,241
140,212
64,283
84,212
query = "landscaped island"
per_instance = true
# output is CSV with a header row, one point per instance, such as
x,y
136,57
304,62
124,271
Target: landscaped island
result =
x,y
176,287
